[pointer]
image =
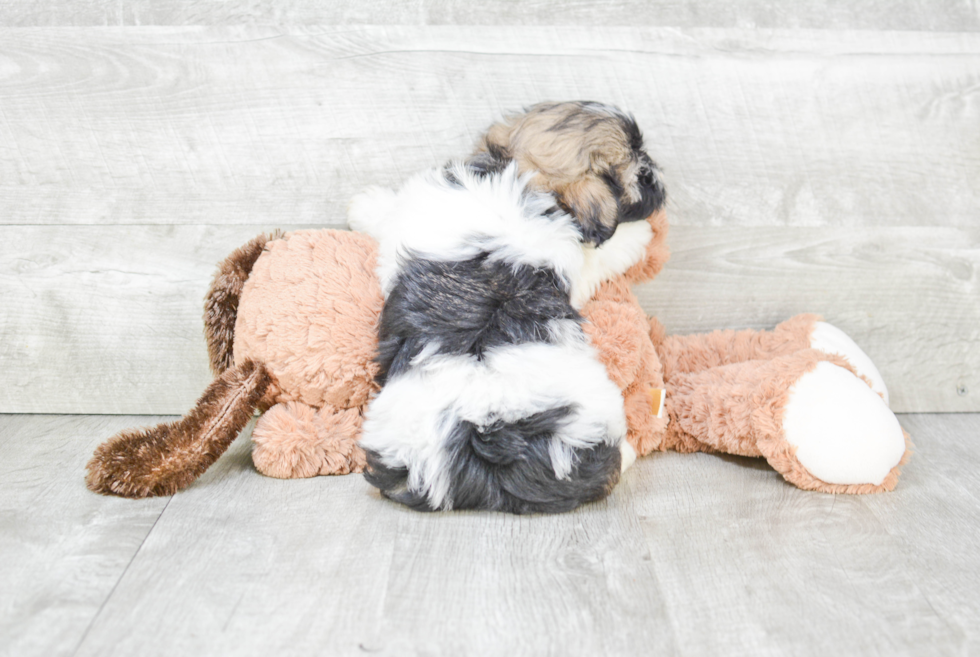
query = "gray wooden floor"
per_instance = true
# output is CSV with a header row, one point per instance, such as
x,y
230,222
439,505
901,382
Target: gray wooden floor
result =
x,y
819,156
691,555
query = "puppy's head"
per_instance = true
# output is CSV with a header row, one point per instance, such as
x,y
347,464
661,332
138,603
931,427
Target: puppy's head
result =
x,y
589,155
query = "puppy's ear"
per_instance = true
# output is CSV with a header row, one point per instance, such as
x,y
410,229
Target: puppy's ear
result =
x,y
491,158
493,152
594,206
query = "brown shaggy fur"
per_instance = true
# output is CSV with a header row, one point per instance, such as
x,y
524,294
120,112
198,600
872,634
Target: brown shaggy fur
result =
x,y
572,147
166,458
221,301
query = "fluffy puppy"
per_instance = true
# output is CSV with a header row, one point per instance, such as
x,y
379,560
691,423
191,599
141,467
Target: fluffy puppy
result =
x,y
492,397
589,155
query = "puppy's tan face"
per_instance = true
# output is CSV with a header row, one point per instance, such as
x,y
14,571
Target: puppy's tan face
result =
x,y
588,154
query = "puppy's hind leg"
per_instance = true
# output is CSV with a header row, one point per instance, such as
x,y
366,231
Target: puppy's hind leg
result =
x,y
500,466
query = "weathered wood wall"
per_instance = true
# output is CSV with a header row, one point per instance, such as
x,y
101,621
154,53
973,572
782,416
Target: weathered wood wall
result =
x,y
834,169
932,15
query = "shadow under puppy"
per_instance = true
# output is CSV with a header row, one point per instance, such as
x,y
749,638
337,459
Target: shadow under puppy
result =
x,y
492,396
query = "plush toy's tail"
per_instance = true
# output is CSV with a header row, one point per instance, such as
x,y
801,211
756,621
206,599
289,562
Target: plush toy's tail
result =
x,y
163,459
221,302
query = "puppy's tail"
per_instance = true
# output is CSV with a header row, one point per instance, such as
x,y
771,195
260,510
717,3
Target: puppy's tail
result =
x,y
221,301
166,458
507,466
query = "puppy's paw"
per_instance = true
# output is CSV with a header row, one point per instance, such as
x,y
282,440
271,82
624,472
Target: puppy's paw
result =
x,y
842,431
628,455
369,210
831,340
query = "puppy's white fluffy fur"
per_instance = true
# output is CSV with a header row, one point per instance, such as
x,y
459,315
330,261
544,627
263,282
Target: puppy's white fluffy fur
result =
x,y
432,219
409,422
612,258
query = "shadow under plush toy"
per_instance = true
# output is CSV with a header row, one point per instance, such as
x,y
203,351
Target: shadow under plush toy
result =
x,y
292,330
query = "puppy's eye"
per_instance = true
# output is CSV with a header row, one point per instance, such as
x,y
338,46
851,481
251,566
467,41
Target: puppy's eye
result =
x,y
646,177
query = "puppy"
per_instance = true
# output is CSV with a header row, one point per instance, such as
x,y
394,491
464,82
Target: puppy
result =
x,y
589,155
492,397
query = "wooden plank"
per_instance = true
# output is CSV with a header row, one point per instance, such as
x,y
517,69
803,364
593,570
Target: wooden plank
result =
x,y
106,319
750,565
580,583
945,15
692,554
246,565
63,548
936,518
100,320
223,125
910,297
344,571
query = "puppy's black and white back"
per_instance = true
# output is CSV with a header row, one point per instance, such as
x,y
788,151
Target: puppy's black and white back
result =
x,y
492,396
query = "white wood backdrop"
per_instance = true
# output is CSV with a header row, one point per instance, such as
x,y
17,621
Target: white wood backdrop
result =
x,y
937,15
834,170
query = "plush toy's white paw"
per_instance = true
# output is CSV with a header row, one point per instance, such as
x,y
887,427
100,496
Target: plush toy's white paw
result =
x,y
629,455
844,433
369,210
831,340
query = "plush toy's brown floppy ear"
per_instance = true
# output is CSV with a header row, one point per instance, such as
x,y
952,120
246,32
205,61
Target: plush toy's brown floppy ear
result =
x,y
593,205
221,302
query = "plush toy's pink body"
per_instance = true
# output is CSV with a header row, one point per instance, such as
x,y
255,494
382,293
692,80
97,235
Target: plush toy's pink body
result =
x,y
309,311
309,308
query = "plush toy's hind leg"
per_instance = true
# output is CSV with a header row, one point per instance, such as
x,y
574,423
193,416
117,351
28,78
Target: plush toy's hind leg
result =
x,y
294,440
807,413
695,353
831,340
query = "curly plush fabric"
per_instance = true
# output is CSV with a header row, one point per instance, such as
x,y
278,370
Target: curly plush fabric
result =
x,y
309,311
727,391
163,459
294,440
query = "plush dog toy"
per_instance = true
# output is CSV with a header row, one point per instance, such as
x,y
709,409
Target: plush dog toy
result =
x,y
291,322
804,396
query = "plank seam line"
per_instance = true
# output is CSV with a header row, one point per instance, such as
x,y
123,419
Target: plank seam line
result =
x,y
118,581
